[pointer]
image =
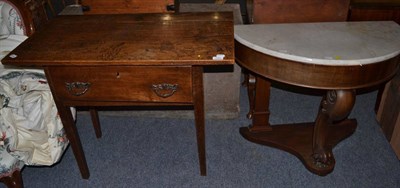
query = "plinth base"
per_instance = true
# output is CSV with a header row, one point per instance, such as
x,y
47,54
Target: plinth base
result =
x,y
298,140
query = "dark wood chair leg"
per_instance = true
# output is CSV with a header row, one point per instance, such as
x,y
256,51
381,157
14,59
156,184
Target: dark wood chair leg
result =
x,y
13,181
96,122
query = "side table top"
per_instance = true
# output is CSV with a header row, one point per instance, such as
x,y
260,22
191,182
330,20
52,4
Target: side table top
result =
x,y
327,43
182,39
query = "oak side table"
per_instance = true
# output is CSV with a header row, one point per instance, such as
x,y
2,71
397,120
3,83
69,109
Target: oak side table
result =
x,y
128,60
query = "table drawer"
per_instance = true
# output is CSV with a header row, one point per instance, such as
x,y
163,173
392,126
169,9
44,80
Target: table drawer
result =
x,y
122,83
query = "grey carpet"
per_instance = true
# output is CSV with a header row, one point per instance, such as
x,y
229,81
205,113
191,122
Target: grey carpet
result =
x,y
161,152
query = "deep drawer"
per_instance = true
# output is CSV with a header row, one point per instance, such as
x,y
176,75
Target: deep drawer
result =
x,y
122,83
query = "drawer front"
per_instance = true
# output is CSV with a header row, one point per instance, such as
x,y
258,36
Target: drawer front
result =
x,y
122,83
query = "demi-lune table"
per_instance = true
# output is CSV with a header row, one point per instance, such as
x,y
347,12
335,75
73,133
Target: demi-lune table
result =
x,y
338,57
128,60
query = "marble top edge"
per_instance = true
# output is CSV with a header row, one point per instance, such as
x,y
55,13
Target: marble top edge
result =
x,y
349,43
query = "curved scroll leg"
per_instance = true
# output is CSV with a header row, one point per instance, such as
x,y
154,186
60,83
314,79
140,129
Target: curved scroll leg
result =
x,y
335,106
251,87
311,142
250,83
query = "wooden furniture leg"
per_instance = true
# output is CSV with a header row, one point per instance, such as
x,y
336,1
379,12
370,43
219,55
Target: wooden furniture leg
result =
x,y
198,97
260,112
73,136
96,123
311,142
335,106
13,181
250,82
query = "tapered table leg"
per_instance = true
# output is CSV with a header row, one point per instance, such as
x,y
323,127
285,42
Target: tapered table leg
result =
x,y
198,97
96,122
73,136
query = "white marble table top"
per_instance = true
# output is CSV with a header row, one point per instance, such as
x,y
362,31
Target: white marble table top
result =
x,y
328,43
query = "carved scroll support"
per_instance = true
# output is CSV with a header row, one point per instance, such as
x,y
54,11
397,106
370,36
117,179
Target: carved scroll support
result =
x,y
250,83
335,106
311,142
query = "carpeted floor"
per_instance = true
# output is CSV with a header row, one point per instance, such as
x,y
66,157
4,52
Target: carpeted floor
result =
x,y
161,152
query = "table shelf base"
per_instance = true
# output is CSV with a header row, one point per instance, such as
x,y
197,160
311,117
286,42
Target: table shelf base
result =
x,y
297,139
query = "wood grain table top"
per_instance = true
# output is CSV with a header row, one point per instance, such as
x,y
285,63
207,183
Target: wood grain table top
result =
x,y
130,39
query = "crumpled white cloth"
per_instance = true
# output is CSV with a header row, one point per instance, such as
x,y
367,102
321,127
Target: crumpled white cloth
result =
x,y
29,123
30,128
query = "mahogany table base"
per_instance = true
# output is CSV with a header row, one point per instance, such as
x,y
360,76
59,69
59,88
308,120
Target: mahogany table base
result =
x,y
312,142
297,139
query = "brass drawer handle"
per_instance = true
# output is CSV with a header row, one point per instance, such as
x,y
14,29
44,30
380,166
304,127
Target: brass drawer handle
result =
x,y
77,88
164,90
